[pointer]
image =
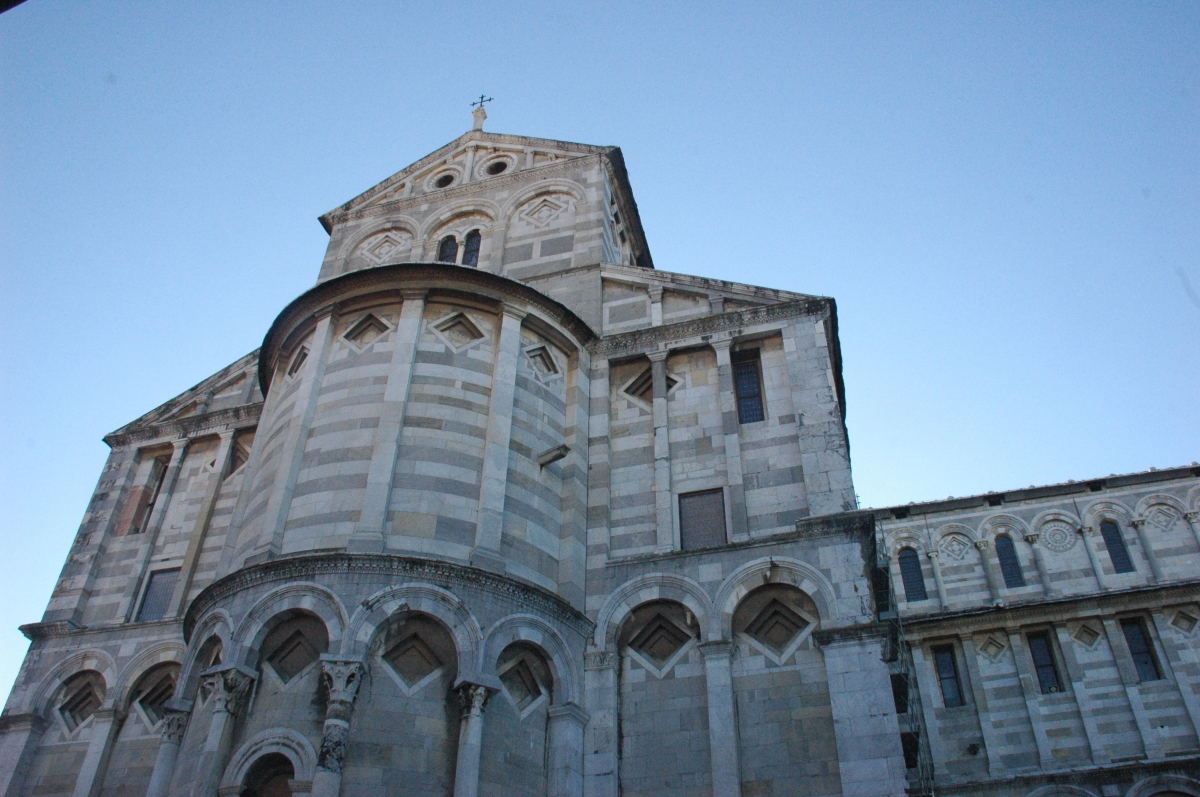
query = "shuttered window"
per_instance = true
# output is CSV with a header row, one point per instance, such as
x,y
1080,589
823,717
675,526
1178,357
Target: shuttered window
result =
x,y
1043,662
947,670
910,573
1114,541
158,595
1139,649
702,519
1009,564
471,250
747,383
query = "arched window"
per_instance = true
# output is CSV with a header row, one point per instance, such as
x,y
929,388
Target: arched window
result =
x,y
1115,543
914,580
448,250
471,250
1010,566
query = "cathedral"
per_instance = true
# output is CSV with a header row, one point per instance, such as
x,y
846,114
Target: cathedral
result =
x,y
498,508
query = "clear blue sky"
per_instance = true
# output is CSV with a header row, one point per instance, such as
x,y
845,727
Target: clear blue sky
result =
x,y
1003,198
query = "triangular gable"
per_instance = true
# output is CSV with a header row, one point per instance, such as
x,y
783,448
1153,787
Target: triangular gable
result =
x,y
177,408
381,192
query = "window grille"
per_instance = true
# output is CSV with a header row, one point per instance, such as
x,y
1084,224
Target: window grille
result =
x,y
1114,541
747,384
448,250
1140,650
158,595
1043,662
947,670
1010,566
471,250
910,573
702,519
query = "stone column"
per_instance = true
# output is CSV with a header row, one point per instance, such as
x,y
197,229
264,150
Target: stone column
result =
x,y
200,531
106,724
341,679
494,479
937,579
157,516
989,573
733,444
473,698
664,500
1193,521
1089,544
564,777
865,727
174,725
722,720
368,534
656,297
228,686
19,738
600,759
469,171
1139,526
1039,561
716,304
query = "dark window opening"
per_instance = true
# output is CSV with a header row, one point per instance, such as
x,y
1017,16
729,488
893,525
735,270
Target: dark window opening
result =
x,y
269,776
149,497
1114,541
471,252
1140,650
83,695
1043,663
158,595
910,741
443,181
747,384
448,250
155,693
496,167
881,584
702,519
910,573
1010,566
947,671
900,692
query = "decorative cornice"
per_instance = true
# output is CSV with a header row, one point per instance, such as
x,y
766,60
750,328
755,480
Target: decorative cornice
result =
x,y
854,633
192,426
38,631
398,277
643,339
294,568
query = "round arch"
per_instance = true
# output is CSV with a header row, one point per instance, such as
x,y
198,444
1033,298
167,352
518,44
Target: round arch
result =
x,y
460,208
443,605
993,524
533,630
651,587
740,582
1144,506
301,595
907,538
557,185
401,223
146,660
1061,790
216,624
1158,784
285,741
91,659
1106,509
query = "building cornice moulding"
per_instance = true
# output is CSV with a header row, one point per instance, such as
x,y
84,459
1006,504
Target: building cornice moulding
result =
x,y
411,568
190,427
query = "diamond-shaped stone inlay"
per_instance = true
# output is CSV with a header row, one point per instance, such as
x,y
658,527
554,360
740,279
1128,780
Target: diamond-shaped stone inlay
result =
x,y
412,659
366,330
292,656
542,361
543,211
1184,621
642,387
521,684
776,626
1163,518
385,246
459,331
1086,635
955,546
992,647
659,640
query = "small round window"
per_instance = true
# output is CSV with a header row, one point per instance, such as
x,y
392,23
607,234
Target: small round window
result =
x,y
496,168
444,181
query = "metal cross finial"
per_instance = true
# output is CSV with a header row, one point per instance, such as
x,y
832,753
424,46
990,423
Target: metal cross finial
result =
x,y
482,100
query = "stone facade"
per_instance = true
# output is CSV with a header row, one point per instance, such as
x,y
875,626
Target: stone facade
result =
x,y
497,508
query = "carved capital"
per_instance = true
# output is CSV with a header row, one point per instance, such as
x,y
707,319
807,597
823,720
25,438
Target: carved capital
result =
x,y
656,293
933,555
717,649
657,356
599,660
1191,517
341,678
174,724
981,544
1138,523
473,699
1086,531
228,686
1031,539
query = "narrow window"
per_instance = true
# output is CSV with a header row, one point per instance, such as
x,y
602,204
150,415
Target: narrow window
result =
x,y
448,250
1009,565
882,586
148,498
910,573
1115,543
1043,662
747,383
900,692
158,595
1139,648
702,519
910,743
471,252
947,670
